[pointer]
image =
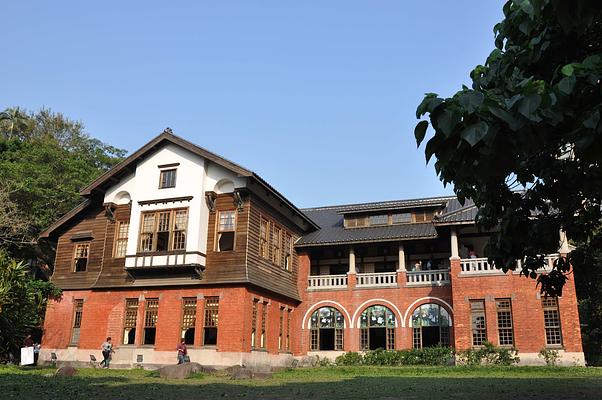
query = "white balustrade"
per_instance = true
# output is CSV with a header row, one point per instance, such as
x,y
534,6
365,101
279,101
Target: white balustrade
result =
x,y
382,279
327,282
478,266
438,277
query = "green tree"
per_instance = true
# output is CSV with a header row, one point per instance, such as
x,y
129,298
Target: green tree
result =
x,y
45,159
22,303
524,142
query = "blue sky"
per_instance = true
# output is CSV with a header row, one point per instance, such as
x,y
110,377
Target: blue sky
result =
x,y
317,97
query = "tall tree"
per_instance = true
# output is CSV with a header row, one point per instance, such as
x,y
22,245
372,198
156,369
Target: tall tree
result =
x,y
525,140
45,159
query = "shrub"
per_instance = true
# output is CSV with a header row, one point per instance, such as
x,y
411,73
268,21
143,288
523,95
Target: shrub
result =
x,y
549,356
351,358
425,356
488,354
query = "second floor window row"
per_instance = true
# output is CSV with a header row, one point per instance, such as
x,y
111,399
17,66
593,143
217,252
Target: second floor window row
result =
x,y
163,230
275,244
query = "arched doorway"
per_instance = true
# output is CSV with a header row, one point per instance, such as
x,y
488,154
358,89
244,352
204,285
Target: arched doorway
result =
x,y
430,323
326,326
377,328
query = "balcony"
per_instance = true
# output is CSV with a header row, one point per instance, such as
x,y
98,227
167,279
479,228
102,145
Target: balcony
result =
x,y
481,266
438,277
383,279
327,282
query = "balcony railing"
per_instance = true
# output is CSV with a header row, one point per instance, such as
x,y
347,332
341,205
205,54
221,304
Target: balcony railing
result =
x,y
481,266
327,282
382,279
438,277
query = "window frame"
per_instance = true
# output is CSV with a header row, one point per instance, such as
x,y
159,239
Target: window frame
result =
x,y
219,231
155,230
188,320
478,334
264,238
76,323
210,319
131,306
163,181
118,239
505,332
151,317
77,245
552,308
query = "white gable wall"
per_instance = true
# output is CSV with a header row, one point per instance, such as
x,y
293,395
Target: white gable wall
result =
x,y
194,177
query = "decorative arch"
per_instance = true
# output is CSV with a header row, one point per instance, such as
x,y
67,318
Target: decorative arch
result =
x,y
424,300
327,325
324,303
224,186
122,197
355,320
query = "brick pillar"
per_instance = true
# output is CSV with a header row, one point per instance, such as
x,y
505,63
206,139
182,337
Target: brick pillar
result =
x,y
569,316
300,334
461,317
351,280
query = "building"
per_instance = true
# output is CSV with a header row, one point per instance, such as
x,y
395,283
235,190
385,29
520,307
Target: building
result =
x,y
177,242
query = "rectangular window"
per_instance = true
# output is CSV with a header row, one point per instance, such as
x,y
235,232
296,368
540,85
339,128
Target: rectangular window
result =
x,y
78,307
163,230
281,329
401,218
80,257
211,320
382,219
479,324
121,239
167,179
188,319
276,238
504,322
254,324
226,230
551,316
129,325
150,321
179,230
356,221
264,236
287,344
288,251
264,313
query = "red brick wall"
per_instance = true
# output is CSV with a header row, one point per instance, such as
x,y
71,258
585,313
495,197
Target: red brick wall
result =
x,y
527,313
103,315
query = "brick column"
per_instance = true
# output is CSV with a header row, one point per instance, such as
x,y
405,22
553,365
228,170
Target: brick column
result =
x,y
351,275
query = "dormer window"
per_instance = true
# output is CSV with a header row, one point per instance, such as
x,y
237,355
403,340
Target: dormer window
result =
x,y
380,219
167,178
402,218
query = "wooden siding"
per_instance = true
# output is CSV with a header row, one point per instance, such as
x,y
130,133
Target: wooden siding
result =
x,y
94,221
227,266
243,264
262,272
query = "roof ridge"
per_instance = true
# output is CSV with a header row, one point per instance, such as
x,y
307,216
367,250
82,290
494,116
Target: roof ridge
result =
x,y
377,203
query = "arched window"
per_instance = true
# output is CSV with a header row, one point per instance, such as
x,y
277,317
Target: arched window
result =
x,y
430,323
327,329
377,328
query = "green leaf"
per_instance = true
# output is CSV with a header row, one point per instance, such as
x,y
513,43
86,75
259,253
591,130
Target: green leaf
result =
x,y
566,85
568,70
529,105
514,123
474,133
471,100
446,120
428,104
420,131
512,101
527,7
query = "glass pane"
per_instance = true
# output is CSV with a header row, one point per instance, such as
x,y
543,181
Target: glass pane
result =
x,y
379,219
401,218
226,221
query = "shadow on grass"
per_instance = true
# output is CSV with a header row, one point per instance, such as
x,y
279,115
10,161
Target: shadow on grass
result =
x,y
118,385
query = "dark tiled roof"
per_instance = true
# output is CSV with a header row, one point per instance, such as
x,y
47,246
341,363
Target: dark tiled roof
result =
x,y
330,220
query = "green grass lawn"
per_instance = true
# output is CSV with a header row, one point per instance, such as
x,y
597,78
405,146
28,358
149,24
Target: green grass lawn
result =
x,y
485,383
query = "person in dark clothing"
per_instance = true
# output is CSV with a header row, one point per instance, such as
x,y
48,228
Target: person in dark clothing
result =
x,y
28,341
182,351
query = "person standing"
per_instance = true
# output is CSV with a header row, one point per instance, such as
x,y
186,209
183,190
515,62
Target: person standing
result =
x,y
107,349
182,351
